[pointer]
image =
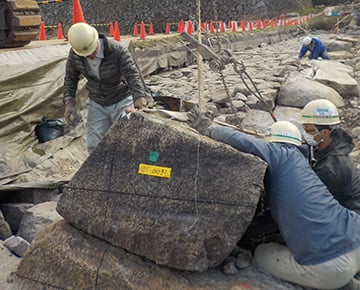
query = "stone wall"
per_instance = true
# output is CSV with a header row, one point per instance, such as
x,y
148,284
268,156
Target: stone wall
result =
x,y
159,12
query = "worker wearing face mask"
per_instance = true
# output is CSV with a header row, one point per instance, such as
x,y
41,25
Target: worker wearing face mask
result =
x,y
331,148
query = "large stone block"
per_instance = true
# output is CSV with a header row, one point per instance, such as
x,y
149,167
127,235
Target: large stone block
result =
x,y
189,216
62,257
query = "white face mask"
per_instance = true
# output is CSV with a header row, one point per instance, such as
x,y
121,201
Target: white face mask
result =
x,y
310,139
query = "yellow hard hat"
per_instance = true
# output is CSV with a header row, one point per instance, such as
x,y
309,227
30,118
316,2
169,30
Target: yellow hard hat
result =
x,y
284,132
320,112
83,38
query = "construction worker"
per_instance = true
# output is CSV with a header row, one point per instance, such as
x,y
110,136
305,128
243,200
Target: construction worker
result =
x,y
331,149
315,46
114,83
322,237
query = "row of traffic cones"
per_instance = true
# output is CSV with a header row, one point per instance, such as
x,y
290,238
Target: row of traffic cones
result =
x,y
187,26
114,30
182,26
78,16
42,33
142,29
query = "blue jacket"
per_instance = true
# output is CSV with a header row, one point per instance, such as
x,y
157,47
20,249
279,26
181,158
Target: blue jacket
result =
x,y
314,226
316,49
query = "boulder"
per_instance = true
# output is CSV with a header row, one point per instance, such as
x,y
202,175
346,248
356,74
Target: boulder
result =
x,y
338,45
62,257
337,76
158,189
36,217
299,90
5,230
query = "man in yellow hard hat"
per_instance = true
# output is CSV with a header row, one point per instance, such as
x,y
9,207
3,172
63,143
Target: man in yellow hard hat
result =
x,y
322,237
331,149
113,81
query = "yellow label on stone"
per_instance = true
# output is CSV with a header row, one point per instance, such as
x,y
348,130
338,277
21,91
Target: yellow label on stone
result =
x,y
164,172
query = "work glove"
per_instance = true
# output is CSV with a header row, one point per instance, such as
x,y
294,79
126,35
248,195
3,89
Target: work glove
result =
x,y
200,122
70,115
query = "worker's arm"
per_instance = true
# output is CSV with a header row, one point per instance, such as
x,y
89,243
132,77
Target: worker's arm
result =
x,y
72,76
302,52
71,80
242,142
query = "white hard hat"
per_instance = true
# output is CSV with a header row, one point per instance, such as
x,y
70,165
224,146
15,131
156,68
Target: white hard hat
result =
x,y
284,132
306,40
320,112
83,38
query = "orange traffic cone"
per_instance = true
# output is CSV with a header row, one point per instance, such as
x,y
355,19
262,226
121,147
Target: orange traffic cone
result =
x,y
116,31
167,28
42,34
258,25
233,26
251,25
60,34
222,26
136,30
243,25
264,23
142,30
77,12
151,29
211,27
181,26
202,26
111,29
190,29
205,26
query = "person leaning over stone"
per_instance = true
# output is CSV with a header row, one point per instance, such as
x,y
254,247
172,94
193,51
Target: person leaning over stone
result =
x,y
331,148
114,83
322,237
315,46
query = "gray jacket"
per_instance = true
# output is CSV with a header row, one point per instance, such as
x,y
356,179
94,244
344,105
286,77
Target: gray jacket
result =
x,y
119,76
336,169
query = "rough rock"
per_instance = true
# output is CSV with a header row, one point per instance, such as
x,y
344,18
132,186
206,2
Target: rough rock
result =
x,y
13,212
17,245
5,230
338,45
186,221
8,265
337,76
36,217
62,257
299,90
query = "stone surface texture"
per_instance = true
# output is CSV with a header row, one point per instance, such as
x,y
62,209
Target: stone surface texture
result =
x,y
190,221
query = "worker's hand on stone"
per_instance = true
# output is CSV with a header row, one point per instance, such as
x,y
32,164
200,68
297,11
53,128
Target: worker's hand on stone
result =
x,y
298,64
70,115
140,103
200,122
